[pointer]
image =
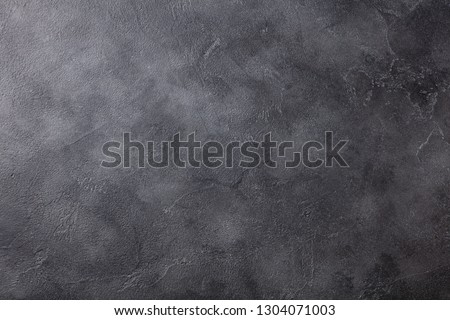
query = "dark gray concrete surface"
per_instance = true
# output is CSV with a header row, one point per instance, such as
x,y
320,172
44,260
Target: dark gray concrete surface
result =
x,y
77,73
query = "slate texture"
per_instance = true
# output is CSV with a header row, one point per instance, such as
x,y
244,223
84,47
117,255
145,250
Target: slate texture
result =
x,y
77,73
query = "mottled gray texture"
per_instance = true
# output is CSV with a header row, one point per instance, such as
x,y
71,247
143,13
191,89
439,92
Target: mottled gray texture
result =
x,y
77,73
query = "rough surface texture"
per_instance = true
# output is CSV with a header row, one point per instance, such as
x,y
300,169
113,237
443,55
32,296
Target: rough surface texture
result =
x,y
77,73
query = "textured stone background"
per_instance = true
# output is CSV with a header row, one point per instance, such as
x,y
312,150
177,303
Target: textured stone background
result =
x,y
77,73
